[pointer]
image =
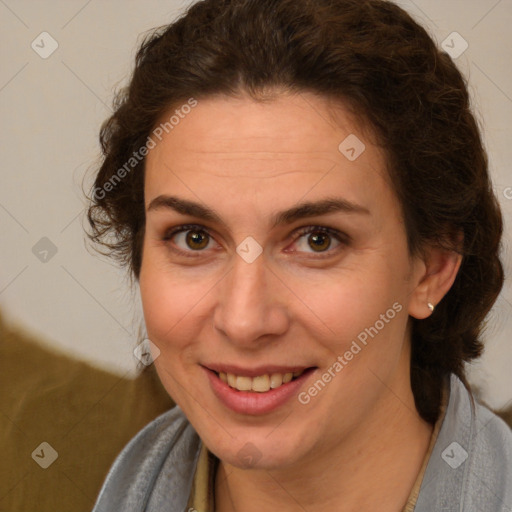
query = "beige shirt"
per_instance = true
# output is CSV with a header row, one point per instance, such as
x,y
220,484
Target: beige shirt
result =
x,y
202,492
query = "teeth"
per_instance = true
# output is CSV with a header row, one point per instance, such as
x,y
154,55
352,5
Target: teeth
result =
x,y
276,379
243,383
260,384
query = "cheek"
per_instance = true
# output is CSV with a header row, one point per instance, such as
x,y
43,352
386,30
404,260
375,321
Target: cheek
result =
x,y
168,306
165,301
346,302
358,313
174,301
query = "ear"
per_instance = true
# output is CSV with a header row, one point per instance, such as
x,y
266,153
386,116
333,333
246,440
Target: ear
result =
x,y
435,276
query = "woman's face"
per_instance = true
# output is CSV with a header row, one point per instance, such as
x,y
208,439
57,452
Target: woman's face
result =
x,y
267,277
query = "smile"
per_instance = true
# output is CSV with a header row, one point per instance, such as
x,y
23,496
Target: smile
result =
x,y
258,390
259,384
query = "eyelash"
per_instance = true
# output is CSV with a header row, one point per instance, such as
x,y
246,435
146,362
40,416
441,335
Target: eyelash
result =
x,y
339,236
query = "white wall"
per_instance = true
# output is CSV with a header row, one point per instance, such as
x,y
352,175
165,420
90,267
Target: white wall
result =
x,y
51,110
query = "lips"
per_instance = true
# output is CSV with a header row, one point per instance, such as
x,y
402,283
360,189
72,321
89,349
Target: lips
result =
x,y
249,391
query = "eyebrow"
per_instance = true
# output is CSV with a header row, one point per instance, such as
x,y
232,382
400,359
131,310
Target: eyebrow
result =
x,y
300,211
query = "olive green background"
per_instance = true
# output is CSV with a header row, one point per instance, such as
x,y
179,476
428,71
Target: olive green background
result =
x,y
87,415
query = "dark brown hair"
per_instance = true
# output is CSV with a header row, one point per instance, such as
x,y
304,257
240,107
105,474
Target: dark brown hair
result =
x,y
370,55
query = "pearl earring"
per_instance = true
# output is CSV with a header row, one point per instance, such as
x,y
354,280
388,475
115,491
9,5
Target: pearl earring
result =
x,y
430,306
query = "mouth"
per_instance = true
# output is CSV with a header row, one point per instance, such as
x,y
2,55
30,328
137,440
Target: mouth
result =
x,y
258,379
259,390
260,383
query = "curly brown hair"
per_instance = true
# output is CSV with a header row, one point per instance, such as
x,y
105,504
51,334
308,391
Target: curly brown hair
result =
x,y
370,55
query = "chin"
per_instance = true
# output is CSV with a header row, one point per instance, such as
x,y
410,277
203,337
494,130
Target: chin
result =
x,y
257,452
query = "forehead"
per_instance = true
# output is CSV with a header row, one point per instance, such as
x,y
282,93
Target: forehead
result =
x,y
293,143
224,124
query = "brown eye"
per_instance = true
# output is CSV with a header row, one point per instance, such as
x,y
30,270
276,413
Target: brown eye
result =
x,y
319,241
188,239
196,240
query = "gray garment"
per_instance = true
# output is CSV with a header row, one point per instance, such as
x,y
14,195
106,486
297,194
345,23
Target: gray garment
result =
x,y
469,470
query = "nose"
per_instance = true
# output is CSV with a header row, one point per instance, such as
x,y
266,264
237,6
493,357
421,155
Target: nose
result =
x,y
250,309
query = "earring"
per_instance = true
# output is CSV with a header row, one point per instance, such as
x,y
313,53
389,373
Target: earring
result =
x,y
431,306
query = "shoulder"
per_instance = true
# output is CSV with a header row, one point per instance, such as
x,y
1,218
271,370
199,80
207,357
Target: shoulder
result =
x,y
470,467
489,471
157,463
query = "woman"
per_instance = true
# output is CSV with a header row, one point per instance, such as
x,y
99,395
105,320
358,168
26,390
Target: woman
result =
x,y
301,191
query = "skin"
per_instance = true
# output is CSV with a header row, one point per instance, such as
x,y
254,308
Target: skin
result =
x,y
360,441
